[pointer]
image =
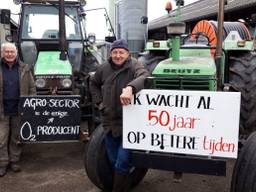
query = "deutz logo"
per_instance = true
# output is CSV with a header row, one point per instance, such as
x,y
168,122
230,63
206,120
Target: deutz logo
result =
x,y
181,70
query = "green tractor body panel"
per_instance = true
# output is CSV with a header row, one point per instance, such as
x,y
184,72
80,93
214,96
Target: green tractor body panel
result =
x,y
191,72
231,45
187,66
48,63
192,52
234,42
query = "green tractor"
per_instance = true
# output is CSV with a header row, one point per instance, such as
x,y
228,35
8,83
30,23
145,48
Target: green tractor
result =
x,y
52,39
210,60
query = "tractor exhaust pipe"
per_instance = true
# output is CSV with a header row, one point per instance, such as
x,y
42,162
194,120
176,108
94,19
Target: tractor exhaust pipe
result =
x,y
218,53
62,30
175,30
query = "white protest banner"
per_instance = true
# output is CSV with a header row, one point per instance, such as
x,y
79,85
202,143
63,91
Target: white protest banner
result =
x,y
187,122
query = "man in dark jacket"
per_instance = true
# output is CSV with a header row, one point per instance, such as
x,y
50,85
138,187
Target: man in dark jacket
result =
x,y
15,80
112,86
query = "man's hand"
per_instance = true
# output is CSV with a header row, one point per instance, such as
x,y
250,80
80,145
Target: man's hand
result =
x,y
126,95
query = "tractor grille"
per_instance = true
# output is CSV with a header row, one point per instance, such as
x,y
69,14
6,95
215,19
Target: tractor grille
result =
x,y
53,85
181,83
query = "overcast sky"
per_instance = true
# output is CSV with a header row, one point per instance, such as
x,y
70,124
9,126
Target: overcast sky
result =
x,y
156,8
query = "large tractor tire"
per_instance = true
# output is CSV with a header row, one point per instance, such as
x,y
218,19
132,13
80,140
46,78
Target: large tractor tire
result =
x,y
242,78
244,172
98,167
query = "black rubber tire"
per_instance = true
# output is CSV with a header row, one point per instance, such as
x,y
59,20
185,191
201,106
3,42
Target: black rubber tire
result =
x,y
242,78
150,60
96,161
97,165
244,172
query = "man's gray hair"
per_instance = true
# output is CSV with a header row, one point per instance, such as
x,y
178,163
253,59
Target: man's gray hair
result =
x,y
6,44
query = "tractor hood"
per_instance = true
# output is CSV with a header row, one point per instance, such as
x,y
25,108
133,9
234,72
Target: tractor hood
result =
x,y
48,63
187,66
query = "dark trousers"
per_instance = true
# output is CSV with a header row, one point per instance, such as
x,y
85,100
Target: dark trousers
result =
x,y
118,156
10,147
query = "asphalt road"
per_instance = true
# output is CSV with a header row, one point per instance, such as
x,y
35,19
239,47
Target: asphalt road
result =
x,y
59,168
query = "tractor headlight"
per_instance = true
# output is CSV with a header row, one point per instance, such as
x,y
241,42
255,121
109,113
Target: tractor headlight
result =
x,y
66,83
40,83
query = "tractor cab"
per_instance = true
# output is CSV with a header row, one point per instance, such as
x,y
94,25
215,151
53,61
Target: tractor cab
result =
x,y
40,40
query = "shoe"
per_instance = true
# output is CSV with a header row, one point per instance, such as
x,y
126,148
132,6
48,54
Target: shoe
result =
x,y
120,182
177,177
15,167
2,171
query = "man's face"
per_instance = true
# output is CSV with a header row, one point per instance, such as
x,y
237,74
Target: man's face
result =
x,y
9,54
119,55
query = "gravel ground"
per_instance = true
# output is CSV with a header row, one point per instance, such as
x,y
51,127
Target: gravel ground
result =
x,y
59,168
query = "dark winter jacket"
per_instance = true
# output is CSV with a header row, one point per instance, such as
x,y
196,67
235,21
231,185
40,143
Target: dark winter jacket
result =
x,y
106,88
26,83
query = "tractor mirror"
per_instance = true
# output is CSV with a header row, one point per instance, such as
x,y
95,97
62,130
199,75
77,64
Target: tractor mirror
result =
x,y
5,16
110,39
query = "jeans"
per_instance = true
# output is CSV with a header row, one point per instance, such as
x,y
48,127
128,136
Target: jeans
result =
x,y
118,156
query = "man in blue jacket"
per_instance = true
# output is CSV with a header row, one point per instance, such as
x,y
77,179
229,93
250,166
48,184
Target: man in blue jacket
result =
x,y
15,80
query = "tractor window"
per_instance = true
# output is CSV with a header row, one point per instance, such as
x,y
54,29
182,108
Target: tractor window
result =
x,y
103,28
42,22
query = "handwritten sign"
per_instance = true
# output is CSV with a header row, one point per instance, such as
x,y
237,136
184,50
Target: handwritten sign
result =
x,y
186,122
49,118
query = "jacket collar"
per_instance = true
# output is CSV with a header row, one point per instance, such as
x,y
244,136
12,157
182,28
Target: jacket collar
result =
x,y
16,62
